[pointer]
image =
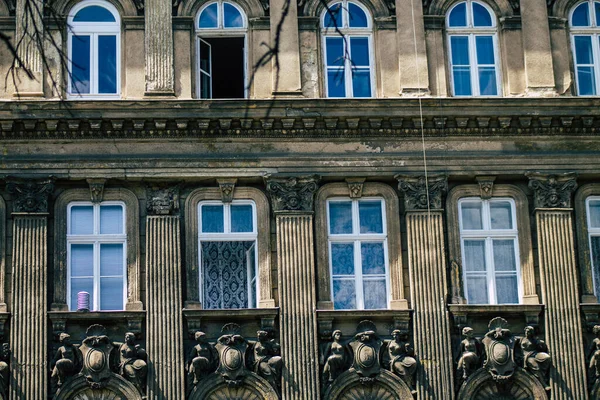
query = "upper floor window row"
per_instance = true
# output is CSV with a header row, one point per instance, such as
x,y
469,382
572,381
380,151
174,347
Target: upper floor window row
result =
x,y
585,33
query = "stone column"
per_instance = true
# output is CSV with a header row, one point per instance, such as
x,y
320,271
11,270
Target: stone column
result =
x,y
558,275
164,327
28,39
414,76
538,51
292,202
28,333
284,38
428,284
159,48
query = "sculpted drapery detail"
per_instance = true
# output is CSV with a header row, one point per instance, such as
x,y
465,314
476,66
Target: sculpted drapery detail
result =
x,y
421,193
292,194
552,191
30,196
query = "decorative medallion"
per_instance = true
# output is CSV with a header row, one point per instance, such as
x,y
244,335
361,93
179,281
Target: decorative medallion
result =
x,y
552,191
366,346
162,200
96,350
422,193
30,196
232,347
292,194
499,348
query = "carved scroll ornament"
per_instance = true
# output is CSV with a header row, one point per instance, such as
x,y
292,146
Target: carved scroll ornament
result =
x,y
292,194
30,196
552,191
421,193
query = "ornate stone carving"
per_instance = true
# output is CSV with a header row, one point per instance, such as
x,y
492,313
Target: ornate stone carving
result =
x,y
366,348
132,362
421,193
66,363
552,191
594,363
292,194
96,350
401,358
4,369
227,187
202,360
499,348
96,189
470,354
30,196
232,347
535,357
334,359
162,200
355,187
486,186
267,360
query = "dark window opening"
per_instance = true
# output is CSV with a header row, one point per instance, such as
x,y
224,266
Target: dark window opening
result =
x,y
227,68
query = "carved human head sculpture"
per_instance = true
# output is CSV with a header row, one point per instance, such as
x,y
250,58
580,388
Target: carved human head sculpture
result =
x,y
262,335
596,330
336,335
400,335
529,331
468,332
200,337
65,339
130,338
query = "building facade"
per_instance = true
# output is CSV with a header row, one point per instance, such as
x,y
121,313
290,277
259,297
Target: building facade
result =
x,y
252,199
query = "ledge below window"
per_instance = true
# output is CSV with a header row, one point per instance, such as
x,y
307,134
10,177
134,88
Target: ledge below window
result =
x,y
347,320
134,319
591,312
462,313
197,318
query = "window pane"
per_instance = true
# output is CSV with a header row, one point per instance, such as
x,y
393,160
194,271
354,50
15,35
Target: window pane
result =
x,y
375,295
458,16
477,290
358,18
462,81
342,258
212,218
111,259
241,218
471,215
597,8
487,81
501,215
595,254
82,260
587,81
80,58
474,257
107,64
232,17
581,15
111,220
333,17
111,293
208,18
359,49
82,220
336,83
335,51
251,265
340,217
361,83
344,294
373,260
371,216
504,255
481,16
583,50
460,50
81,285
94,14
594,210
485,49
506,290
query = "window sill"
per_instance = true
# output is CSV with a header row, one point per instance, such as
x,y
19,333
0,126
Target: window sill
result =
x,y
198,318
134,319
463,313
349,319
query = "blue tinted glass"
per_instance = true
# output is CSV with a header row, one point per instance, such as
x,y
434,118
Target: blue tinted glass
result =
x,y
80,58
333,16
111,259
485,49
212,219
507,290
94,14
82,220
241,218
342,258
487,81
361,83
359,51
107,64
358,18
232,17
335,51
597,9
335,83
477,290
458,15
371,217
82,260
111,219
586,81
460,50
583,50
373,260
208,18
111,294
594,213
375,294
581,15
81,285
344,294
340,217
462,81
481,16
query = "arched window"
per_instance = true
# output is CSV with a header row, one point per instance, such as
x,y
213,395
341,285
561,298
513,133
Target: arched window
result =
x,y
585,30
94,50
473,48
347,46
221,49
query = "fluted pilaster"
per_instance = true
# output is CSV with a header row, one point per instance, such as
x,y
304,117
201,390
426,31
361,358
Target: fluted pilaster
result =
x,y
29,31
164,326
159,48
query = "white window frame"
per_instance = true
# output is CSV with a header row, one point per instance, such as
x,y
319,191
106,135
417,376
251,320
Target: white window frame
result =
x,y
592,232
472,32
228,236
592,31
96,239
488,235
220,32
93,29
357,238
346,33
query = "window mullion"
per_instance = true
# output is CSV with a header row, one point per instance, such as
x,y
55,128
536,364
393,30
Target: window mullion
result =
x,y
96,282
474,69
360,300
491,270
348,66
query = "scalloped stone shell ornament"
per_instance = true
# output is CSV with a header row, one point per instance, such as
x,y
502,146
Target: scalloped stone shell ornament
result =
x,y
232,393
97,394
374,392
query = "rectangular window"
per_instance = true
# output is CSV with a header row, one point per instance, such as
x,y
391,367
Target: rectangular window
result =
x,y
96,247
593,223
228,262
489,247
222,68
358,260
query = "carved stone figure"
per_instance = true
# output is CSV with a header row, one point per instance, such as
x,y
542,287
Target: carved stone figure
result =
x,y
402,360
267,359
202,359
232,347
335,358
66,363
132,362
366,347
4,367
594,357
499,347
470,355
536,359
